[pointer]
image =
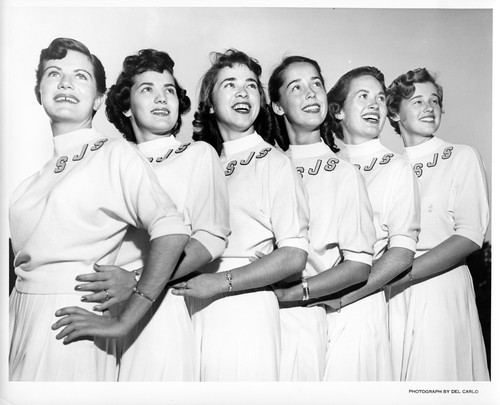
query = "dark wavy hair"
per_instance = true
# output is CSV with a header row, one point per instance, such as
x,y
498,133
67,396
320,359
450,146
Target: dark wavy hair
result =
x,y
58,49
205,124
338,93
403,87
276,81
118,98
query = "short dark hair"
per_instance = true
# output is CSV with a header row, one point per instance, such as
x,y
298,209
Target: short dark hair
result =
x,y
118,98
205,124
58,49
403,87
338,93
275,83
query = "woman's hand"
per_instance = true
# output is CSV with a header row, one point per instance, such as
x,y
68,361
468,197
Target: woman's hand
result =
x,y
202,286
258,255
110,284
78,322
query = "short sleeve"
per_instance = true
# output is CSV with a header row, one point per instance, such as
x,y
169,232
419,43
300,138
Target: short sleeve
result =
x,y
288,204
469,196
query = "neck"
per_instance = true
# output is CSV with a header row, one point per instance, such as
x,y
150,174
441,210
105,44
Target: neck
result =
x,y
299,136
350,139
230,135
60,128
414,140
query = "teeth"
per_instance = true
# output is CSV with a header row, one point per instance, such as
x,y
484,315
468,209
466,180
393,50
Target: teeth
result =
x,y
427,119
66,99
161,112
241,107
312,108
371,117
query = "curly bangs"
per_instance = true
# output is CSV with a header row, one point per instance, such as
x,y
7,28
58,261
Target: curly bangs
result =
x,y
118,97
403,88
58,49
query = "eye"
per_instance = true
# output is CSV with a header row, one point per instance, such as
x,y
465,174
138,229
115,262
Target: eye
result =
x,y
146,89
253,86
434,101
171,90
364,96
52,73
296,87
81,76
318,84
229,85
381,99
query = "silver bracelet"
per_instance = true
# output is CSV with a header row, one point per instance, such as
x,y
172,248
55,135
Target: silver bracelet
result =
x,y
410,276
137,275
305,289
136,291
229,278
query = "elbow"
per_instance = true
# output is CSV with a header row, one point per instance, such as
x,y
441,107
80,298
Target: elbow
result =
x,y
295,259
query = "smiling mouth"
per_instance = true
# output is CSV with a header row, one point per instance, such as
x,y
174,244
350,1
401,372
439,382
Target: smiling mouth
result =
x,y
243,108
162,112
371,118
428,118
313,108
62,98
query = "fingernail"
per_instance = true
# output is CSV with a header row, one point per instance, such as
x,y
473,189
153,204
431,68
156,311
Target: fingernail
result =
x,y
83,299
78,287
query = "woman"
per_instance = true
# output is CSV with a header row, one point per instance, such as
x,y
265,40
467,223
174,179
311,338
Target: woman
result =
x,y
443,339
341,225
146,105
75,212
237,320
357,102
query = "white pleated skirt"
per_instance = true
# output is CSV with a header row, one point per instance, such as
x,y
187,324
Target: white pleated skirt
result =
x,y
35,353
358,342
303,343
238,336
162,347
443,340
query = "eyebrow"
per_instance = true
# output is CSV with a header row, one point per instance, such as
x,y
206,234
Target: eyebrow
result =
x,y
298,80
58,68
152,84
421,96
232,79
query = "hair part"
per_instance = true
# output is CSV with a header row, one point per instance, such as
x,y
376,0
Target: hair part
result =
x,y
118,98
205,125
403,88
339,92
276,81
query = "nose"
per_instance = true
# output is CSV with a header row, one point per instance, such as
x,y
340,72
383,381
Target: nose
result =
x,y
242,92
310,93
160,97
65,82
374,105
428,107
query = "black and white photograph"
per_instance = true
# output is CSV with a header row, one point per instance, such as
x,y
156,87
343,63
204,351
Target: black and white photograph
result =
x,y
248,202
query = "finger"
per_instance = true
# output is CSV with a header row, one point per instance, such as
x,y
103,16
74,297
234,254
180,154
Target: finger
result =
x,y
92,277
71,310
253,259
105,267
66,331
96,286
182,285
105,305
97,297
259,254
181,291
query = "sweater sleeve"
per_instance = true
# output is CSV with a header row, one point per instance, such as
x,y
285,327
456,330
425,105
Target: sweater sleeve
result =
x,y
469,196
207,201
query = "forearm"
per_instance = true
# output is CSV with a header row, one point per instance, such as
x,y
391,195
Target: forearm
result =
x,y
194,257
391,264
337,278
162,258
443,257
276,266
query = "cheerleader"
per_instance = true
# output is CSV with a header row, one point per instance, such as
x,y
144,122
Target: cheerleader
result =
x,y
341,225
75,212
146,105
442,334
236,314
357,102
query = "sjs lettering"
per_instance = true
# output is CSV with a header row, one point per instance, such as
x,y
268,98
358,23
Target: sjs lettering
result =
x,y
61,162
